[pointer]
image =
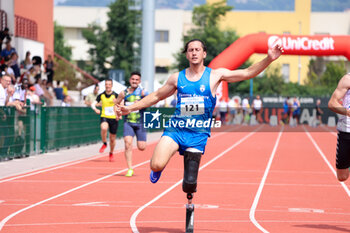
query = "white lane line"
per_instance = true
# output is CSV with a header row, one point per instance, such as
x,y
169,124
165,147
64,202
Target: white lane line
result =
x,y
2,223
180,221
261,186
96,203
62,165
53,168
326,161
136,213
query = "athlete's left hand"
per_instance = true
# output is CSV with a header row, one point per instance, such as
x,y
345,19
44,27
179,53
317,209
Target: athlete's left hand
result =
x,y
275,51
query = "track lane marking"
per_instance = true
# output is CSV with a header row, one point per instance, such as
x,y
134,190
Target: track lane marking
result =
x,y
261,186
3,222
136,213
326,161
178,221
63,164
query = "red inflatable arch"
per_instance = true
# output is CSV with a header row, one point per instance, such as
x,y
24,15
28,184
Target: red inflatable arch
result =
x,y
238,52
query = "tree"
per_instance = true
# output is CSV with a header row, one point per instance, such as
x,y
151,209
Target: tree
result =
x,y
206,18
332,75
99,52
65,72
60,46
118,46
323,78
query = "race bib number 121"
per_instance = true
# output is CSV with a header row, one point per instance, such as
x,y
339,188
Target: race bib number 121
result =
x,y
192,105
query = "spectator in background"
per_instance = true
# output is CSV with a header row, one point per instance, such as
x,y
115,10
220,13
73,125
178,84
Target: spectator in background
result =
x,y
14,99
257,107
41,91
21,89
319,112
286,112
246,110
296,110
90,98
58,90
223,109
67,102
32,97
27,62
36,61
232,110
8,49
9,71
49,69
65,88
4,83
13,63
4,35
30,75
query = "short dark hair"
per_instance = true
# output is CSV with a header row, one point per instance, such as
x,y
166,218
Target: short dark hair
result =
x,y
135,73
186,45
108,79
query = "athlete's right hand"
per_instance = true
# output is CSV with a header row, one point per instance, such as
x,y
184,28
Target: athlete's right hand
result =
x,y
122,110
98,111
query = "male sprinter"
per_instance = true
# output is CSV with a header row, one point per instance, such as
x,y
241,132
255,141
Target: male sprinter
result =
x,y
340,103
108,117
196,87
133,122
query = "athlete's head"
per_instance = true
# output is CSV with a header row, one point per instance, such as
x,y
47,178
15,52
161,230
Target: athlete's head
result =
x,y
135,79
108,85
196,51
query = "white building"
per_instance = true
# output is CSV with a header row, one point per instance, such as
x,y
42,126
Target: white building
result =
x,y
170,25
74,20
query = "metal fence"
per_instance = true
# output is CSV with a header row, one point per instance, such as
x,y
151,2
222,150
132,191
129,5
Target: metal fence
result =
x,y
43,129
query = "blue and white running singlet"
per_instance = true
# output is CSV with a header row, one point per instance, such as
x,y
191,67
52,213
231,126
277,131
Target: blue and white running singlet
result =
x,y
190,126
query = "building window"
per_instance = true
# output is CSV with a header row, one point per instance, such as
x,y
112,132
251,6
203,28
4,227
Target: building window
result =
x,y
162,36
161,69
285,72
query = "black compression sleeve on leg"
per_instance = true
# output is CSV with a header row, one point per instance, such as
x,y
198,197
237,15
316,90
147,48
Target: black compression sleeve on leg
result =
x,y
191,167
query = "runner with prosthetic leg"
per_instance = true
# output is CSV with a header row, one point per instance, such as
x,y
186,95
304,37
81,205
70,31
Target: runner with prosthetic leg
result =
x,y
196,89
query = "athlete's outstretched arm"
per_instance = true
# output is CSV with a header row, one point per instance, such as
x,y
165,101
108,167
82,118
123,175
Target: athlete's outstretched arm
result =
x,y
338,94
165,91
253,70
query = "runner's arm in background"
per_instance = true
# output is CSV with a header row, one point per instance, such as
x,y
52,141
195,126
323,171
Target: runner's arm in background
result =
x,y
93,105
165,91
337,96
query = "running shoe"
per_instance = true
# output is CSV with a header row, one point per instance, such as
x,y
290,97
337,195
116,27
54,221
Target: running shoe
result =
x,y
130,173
103,147
154,176
111,158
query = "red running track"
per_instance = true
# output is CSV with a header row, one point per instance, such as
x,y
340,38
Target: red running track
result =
x,y
250,181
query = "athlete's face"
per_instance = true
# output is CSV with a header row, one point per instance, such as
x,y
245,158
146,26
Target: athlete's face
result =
x,y
135,81
108,85
195,53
